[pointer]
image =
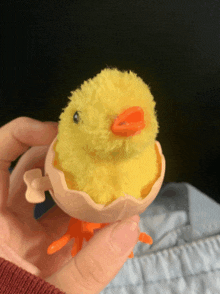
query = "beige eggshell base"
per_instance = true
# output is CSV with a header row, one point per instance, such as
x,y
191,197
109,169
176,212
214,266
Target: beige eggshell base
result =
x,y
80,205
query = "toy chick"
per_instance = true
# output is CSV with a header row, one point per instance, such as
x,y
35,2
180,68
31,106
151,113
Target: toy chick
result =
x,y
106,148
106,140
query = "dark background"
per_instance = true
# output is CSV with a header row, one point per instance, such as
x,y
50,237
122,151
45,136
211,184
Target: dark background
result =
x,y
48,48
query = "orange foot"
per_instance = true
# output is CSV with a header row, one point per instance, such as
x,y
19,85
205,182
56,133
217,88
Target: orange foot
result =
x,y
144,238
77,229
84,230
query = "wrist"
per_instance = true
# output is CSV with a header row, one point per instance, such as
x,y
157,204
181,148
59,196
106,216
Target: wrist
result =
x,y
9,254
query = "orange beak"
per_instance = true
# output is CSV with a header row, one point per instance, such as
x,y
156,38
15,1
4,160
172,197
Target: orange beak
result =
x,y
129,123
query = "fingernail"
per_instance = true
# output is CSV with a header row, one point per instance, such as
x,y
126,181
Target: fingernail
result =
x,y
125,235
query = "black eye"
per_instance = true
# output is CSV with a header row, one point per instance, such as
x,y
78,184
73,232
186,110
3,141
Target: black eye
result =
x,y
76,117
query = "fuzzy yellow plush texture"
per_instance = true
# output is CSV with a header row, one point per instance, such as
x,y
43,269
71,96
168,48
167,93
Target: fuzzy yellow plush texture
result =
x,y
94,159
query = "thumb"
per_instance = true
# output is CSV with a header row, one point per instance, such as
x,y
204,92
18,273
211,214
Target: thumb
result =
x,y
100,260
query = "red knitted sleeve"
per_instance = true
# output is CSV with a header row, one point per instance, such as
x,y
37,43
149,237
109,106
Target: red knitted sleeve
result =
x,y
15,280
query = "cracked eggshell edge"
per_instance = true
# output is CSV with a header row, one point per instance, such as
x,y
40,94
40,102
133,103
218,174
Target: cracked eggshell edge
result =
x,y
80,205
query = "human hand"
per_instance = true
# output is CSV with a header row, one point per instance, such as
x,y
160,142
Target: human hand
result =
x,y
24,240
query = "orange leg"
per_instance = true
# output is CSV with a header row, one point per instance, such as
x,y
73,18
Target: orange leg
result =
x,y
76,229
79,230
144,238
57,245
77,246
131,255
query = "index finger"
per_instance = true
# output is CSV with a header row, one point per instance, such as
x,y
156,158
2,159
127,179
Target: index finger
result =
x,y
15,138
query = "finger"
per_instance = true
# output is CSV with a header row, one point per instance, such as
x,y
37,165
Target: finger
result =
x,y
15,138
33,158
100,260
55,222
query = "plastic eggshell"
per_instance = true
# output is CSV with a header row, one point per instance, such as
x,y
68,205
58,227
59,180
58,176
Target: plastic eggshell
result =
x,y
80,205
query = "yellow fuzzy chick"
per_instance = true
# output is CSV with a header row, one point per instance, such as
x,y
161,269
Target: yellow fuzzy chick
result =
x,y
106,139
